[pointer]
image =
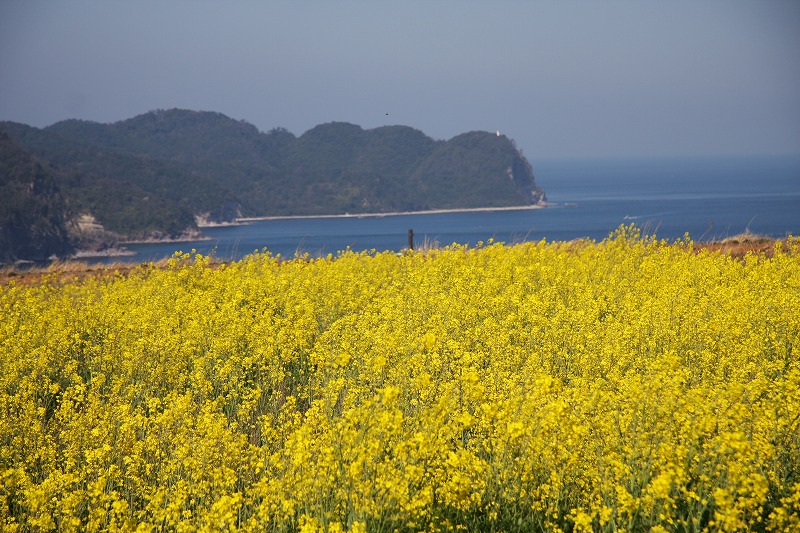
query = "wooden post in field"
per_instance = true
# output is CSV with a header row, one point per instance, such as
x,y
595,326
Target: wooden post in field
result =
x,y
411,239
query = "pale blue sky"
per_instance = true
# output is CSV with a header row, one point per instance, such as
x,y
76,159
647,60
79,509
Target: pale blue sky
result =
x,y
564,79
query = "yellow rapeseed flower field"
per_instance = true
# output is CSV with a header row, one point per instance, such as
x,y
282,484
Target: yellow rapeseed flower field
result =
x,y
625,385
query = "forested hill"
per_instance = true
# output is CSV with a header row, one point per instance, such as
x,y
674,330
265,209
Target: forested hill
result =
x,y
32,218
156,173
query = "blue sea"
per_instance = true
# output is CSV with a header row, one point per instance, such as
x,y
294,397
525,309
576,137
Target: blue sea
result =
x,y
709,198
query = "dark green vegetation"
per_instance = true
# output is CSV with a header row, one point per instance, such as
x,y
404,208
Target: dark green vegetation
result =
x,y
32,220
152,175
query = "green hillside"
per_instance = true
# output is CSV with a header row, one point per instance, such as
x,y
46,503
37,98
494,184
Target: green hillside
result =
x,y
153,174
32,210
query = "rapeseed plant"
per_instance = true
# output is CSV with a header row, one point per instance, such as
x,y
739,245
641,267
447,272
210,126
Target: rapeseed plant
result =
x,y
630,384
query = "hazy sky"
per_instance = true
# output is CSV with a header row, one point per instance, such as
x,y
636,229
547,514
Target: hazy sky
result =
x,y
564,79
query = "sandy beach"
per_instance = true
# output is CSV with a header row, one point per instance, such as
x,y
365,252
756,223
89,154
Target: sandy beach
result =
x,y
246,220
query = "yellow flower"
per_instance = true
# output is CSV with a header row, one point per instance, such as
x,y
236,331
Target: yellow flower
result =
x,y
629,382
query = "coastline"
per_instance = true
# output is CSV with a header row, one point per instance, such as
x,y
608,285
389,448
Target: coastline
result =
x,y
116,251
189,238
247,220
120,250
220,224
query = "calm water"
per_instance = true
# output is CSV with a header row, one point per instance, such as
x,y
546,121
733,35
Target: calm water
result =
x,y
709,198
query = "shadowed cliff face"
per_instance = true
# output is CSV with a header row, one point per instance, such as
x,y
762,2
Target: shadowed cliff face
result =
x,y
32,219
521,174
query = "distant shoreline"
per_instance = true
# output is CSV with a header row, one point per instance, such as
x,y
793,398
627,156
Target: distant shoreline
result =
x,y
122,251
247,220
